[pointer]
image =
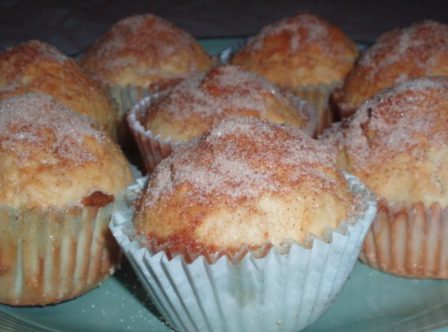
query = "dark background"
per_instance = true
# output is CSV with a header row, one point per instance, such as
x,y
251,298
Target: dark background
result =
x,y
73,25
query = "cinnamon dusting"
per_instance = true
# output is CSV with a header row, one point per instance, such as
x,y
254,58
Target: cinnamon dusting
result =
x,y
37,119
231,184
203,100
147,46
398,56
404,119
37,67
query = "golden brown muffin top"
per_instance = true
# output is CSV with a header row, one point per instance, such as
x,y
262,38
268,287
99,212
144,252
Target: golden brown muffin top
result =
x,y
299,50
396,142
51,156
145,50
198,103
35,66
247,183
399,55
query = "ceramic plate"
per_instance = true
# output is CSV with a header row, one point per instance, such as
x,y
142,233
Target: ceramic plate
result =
x,y
370,300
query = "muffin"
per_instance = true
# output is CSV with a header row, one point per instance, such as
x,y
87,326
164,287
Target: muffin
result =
x,y
59,177
396,143
399,55
37,67
252,221
194,106
304,54
143,54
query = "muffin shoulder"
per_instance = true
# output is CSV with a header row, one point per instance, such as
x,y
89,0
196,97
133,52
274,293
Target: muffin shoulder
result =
x,y
302,49
51,156
145,49
412,114
396,142
194,106
399,55
35,66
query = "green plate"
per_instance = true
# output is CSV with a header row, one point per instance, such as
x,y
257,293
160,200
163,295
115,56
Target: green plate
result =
x,y
370,300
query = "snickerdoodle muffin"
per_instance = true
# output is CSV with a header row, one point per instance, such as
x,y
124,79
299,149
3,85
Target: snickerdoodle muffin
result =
x,y
304,54
250,210
194,106
59,178
399,55
396,143
35,66
142,54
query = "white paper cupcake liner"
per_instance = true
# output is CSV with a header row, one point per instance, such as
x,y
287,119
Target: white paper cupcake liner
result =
x,y
226,55
152,148
279,292
306,110
125,97
319,97
409,241
48,256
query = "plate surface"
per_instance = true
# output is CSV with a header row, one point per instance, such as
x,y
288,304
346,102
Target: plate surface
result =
x,y
370,300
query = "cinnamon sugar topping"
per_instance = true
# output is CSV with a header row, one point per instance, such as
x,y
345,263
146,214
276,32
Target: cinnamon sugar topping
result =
x,y
140,38
38,50
37,120
16,61
420,42
406,118
243,158
301,30
223,91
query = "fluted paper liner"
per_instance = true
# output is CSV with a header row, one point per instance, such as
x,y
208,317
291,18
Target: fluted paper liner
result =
x,y
278,292
409,241
152,148
319,97
51,255
125,97
128,95
306,109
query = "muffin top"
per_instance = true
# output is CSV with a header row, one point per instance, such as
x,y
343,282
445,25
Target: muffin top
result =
x,y
51,156
397,142
397,56
299,50
245,184
198,103
38,67
145,50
